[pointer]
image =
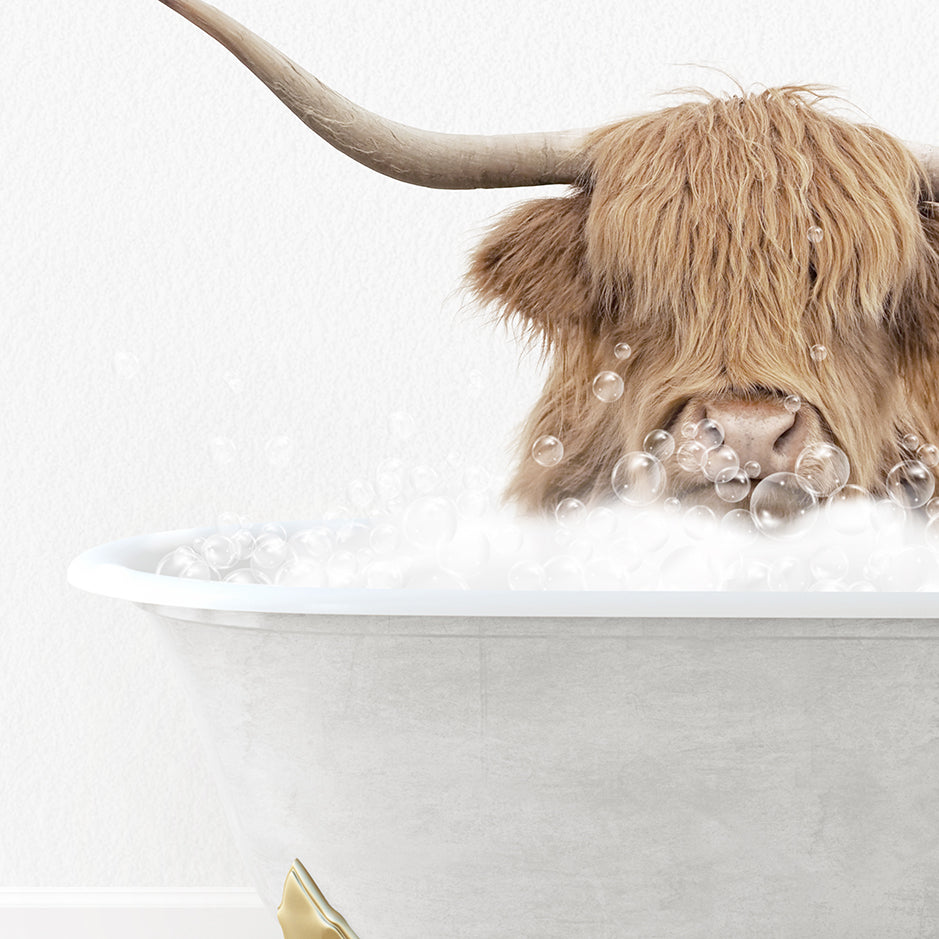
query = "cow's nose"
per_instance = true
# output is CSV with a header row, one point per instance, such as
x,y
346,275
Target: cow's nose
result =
x,y
760,431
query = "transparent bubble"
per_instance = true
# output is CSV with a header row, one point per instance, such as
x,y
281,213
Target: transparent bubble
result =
x,y
740,525
660,443
361,494
906,570
932,508
782,507
430,522
563,572
601,522
580,548
721,463
734,488
699,522
622,350
849,510
829,563
910,484
526,575
279,451
570,512
789,574
273,528
125,364
383,575
818,352
270,551
177,561
547,451
246,575
928,454
672,505
823,468
638,478
341,568
467,553
220,552
423,478
691,455
709,433
608,387
300,572
746,573
390,478
792,403
316,543
384,538
627,554
688,429
752,469
244,542
602,574
815,234
911,442
222,450
401,425
889,517
689,568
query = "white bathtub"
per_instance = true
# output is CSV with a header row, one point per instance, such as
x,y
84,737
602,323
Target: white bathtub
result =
x,y
552,765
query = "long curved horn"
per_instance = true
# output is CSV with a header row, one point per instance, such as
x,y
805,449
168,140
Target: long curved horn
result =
x,y
424,158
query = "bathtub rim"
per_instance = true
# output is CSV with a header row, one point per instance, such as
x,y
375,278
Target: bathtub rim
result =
x,y
112,570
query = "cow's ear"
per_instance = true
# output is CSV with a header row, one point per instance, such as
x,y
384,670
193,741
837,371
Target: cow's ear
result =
x,y
532,266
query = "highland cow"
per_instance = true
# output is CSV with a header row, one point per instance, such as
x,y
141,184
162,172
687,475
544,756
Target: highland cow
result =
x,y
723,240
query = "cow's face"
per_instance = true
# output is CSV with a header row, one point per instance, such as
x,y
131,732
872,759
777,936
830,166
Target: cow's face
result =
x,y
748,250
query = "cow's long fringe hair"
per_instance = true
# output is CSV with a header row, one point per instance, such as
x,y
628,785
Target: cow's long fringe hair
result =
x,y
689,240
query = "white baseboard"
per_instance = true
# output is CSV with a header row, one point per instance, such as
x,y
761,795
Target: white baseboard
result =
x,y
141,914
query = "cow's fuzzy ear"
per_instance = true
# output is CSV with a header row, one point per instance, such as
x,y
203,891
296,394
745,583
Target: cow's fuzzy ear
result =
x,y
532,267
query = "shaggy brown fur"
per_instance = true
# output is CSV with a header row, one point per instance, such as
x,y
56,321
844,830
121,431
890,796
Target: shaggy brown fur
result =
x,y
688,240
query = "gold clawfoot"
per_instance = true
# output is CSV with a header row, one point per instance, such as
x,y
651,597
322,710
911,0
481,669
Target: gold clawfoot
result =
x,y
304,912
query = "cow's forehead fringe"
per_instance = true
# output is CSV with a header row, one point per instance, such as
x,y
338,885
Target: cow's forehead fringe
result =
x,y
703,209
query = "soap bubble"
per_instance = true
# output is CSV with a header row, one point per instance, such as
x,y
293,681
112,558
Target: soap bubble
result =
x,y
300,572
402,425
341,568
782,507
627,554
815,234
932,508
273,528
220,552
638,478
910,484
688,429
752,469
691,455
910,441
563,572
602,574
383,575
361,494
570,512
423,478
688,568
177,561
601,522
735,488
526,575
789,574
906,570
244,543
279,451
818,352
660,443
547,451
316,543
928,454
829,563
430,522
270,551
384,538
721,463
622,350
746,573
390,478
246,575
699,522
222,450
792,403
672,505
608,387
889,517
740,525
849,510
709,433
823,468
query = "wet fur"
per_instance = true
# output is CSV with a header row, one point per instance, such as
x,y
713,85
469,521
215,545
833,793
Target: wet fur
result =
x,y
688,240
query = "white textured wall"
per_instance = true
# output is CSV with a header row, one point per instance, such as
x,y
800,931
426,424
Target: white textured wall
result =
x,y
158,201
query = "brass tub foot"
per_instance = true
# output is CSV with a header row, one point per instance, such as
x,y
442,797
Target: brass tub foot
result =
x,y
304,912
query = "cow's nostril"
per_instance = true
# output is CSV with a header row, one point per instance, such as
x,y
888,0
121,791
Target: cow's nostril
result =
x,y
761,432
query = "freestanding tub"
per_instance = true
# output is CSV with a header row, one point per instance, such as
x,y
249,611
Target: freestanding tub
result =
x,y
551,765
